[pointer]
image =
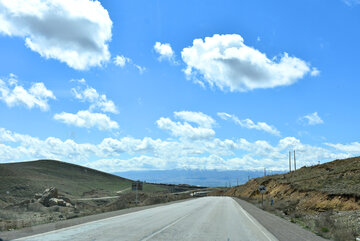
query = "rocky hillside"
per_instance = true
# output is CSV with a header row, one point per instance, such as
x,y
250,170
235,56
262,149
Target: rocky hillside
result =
x,y
20,181
324,198
330,186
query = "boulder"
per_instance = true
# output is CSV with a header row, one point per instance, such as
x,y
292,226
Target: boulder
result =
x,y
51,191
67,200
37,195
48,194
61,202
69,205
53,202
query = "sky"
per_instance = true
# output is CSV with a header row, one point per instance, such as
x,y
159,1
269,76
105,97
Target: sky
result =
x,y
160,85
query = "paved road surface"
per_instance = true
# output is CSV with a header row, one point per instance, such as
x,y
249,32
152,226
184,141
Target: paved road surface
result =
x,y
208,218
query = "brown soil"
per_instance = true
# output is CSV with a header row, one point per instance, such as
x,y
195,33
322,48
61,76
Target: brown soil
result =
x,y
316,197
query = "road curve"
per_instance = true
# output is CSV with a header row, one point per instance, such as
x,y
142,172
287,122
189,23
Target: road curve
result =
x,y
208,218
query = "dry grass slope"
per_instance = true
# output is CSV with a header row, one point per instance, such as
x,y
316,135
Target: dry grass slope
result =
x,y
324,198
20,181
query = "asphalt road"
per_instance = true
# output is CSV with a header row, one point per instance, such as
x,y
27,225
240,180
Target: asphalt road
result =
x,y
208,218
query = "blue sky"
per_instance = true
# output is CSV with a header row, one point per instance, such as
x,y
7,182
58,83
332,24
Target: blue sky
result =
x,y
138,85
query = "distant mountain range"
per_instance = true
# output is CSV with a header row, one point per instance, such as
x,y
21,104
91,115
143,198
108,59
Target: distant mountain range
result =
x,y
210,178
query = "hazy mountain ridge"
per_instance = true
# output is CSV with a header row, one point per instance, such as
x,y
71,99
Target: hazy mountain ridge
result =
x,y
211,178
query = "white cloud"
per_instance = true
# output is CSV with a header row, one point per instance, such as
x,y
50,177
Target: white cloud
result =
x,y
74,32
351,2
312,119
25,147
248,123
97,101
80,81
353,148
184,129
121,60
148,153
226,62
36,96
87,119
140,68
165,51
136,163
199,118
314,72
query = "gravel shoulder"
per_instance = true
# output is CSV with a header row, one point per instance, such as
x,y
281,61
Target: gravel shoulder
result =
x,y
282,229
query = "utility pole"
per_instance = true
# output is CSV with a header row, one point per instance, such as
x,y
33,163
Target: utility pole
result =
x,y
290,161
248,177
264,171
294,161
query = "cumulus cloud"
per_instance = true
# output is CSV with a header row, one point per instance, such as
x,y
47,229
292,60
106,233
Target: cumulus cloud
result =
x,y
74,32
226,62
184,129
147,153
312,119
196,117
14,94
87,119
353,148
135,163
314,72
25,147
97,101
90,118
248,123
121,60
165,51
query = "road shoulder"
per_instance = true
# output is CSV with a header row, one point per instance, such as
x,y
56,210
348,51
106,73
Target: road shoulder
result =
x,y
282,229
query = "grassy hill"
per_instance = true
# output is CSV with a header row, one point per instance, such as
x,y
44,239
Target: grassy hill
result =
x,y
23,179
86,190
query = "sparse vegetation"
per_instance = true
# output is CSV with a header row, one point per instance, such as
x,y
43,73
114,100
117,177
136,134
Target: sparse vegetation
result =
x,y
324,229
324,198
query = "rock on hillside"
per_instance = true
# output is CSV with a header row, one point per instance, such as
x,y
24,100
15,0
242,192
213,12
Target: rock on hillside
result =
x,y
50,197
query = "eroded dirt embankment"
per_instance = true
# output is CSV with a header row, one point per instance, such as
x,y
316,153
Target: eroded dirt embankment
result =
x,y
324,198
288,197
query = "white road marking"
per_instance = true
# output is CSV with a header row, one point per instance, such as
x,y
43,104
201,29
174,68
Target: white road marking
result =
x,y
166,227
